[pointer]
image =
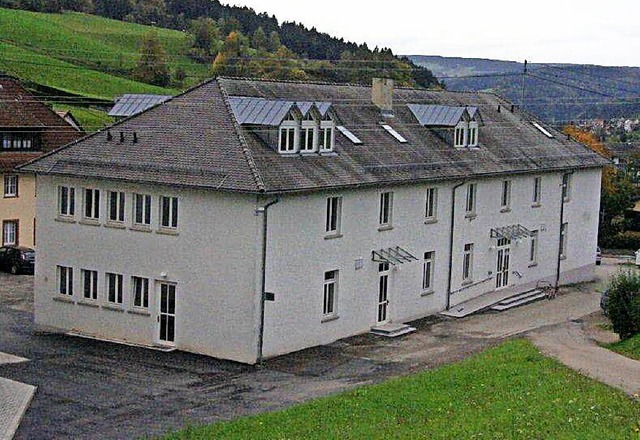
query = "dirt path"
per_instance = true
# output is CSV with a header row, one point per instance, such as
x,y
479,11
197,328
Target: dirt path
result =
x,y
570,344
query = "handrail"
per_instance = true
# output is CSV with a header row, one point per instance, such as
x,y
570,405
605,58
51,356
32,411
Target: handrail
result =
x,y
469,286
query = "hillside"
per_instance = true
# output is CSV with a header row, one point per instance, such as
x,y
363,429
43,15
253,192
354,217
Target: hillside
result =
x,y
556,93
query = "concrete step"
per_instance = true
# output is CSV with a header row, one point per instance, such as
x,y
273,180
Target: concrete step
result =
x,y
392,330
518,300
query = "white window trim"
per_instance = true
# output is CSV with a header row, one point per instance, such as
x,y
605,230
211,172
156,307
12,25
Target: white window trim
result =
x,y
144,292
291,123
472,138
333,221
147,203
431,205
536,197
10,185
467,263
173,212
385,214
91,204
460,134
428,266
328,127
10,232
330,296
118,288
534,243
93,284
471,200
120,206
505,198
65,272
309,126
66,210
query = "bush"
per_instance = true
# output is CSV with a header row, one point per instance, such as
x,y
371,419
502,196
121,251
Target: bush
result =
x,y
623,304
623,240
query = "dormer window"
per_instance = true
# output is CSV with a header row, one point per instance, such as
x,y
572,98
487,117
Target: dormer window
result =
x,y
308,134
326,134
288,139
460,135
473,134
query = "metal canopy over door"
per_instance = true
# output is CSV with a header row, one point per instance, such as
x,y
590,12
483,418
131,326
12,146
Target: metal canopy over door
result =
x,y
383,292
167,314
502,266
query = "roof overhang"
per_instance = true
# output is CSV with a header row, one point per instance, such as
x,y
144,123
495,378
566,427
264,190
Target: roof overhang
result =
x,y
392,255
511,232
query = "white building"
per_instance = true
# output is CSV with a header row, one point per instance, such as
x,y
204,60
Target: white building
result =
x,y
247,219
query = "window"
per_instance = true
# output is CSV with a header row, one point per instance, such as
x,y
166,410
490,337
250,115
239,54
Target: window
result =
x,y
460,135
330,293
92,203
169,212
427,271
334,212
17,141
505,201
114,288
66,201
325,142
470,206
89,284
566,187
308,141
10,233
563,240
386,206
65,280
533,248
140,292
288,130
537,191
473,134
11,185
467,263
431,206
142,209
116,206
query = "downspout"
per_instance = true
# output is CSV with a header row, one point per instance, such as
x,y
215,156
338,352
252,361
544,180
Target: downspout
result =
x,y
451,230
563,187
264,210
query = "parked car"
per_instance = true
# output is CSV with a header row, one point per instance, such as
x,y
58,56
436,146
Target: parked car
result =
x,y
17,259
598,256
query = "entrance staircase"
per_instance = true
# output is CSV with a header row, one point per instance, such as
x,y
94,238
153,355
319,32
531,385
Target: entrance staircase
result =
x,y
519,300
392,329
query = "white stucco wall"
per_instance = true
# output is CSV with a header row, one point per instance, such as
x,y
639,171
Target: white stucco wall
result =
x,y
299,254
212,261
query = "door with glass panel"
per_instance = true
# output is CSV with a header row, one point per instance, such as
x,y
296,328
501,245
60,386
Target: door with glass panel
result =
x,y
383,293
167,314
502,264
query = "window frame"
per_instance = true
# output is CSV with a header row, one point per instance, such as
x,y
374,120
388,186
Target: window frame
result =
x,y
460,135
431,205
91,204
288,135
333,219
11,186
117,206
536,197
66,201
114,286
326,133
505,198
144,202
428,266
64,280
14,233
534,242
142,293
471,199
467,263
472,136
90,289
330,294
169,207
385,217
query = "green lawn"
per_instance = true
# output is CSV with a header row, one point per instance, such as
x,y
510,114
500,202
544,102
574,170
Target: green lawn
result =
x,y
85,54
509,392
629,347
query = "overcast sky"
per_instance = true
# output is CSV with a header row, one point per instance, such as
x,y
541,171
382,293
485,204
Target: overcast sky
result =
x,y
584,32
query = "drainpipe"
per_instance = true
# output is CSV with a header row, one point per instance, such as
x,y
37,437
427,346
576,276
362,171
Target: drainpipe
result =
x,y
264,210
451,230
563,187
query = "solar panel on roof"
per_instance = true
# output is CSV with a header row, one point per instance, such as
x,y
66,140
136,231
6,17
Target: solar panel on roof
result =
x,y
132,104
352,137
394,133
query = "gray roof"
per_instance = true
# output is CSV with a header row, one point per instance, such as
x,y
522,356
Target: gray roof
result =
x,y
440,115
260,111
197,139
132,104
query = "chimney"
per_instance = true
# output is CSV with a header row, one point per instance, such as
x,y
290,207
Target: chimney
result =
x,y
382,95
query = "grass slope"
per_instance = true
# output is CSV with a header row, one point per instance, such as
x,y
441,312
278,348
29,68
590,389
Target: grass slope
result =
x,y
629,347
509,392
82,53
90,119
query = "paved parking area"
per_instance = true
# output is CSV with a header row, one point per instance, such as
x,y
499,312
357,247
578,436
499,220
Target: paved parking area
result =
x,y
92,389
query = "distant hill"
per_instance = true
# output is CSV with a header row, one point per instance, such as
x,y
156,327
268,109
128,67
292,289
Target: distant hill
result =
x,y
556,93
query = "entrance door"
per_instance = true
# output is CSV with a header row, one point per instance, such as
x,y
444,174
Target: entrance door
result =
x,y
383,292
167,315
502,269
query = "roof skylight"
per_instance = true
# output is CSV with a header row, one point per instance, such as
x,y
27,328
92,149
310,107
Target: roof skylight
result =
x,y
394,133
542,129
352,137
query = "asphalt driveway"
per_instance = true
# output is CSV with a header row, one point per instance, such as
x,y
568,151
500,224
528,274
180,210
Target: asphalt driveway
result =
x,y
93,389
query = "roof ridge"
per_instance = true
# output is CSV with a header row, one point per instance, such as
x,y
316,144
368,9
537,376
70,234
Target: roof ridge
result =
x,y
259,181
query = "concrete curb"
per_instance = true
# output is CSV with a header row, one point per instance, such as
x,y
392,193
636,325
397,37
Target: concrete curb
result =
x,y
15,398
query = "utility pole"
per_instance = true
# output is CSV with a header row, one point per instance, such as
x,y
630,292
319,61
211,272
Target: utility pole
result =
x,y
524,78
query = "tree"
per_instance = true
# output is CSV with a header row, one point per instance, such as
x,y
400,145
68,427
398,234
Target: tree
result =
x,y
274,41
152,65
259,41
206,38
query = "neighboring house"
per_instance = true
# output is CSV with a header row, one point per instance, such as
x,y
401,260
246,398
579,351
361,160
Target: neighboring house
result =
x,y
70,119
28,128
246,219
132,104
